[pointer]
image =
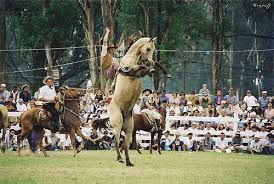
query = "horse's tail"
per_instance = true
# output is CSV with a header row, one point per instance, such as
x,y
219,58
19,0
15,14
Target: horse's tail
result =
x,y
101,123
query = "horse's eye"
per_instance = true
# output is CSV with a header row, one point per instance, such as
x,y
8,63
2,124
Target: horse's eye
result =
x,y
148,49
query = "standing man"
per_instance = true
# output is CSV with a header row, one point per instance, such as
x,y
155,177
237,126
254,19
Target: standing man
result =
x,y
108,66
264,100
47,95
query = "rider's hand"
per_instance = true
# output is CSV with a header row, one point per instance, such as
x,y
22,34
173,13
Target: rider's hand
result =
x,y
107,29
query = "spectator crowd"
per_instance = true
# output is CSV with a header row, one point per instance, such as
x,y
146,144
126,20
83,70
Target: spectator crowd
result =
x,y
255,120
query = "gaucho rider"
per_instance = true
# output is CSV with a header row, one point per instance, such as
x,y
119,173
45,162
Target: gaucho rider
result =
x,y
148,106
47,94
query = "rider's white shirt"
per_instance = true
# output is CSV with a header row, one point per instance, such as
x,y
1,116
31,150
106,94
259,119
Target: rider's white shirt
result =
x,y
47,92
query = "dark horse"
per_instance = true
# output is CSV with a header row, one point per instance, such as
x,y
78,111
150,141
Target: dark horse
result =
x,y
67,104
141,123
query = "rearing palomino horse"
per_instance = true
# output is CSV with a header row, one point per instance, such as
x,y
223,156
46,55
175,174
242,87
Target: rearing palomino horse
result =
x,y
128,89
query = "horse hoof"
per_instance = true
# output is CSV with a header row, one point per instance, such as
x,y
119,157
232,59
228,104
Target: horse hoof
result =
x,y
46,155
139,152
129,164
159,153
121,161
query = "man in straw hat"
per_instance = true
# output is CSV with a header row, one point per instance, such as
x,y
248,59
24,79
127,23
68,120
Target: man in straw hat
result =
x,y
148,108
107,59
47,94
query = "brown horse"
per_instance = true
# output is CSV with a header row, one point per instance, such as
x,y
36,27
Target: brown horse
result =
x,y
141,123
67,103
4,121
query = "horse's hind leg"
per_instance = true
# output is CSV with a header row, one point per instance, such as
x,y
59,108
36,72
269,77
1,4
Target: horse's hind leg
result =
x,y
40,134
72,139
159,141
151,142
116,120
129,128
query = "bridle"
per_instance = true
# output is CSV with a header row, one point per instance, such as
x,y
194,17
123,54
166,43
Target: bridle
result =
x,y
62,100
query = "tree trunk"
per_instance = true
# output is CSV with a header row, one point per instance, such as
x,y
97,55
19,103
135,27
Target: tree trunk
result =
x,y
3,60
216,44
146,16
109,13
88,23
49,58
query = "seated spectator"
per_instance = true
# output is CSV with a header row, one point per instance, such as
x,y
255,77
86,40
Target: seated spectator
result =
x,y
222,144
99,95
190,143
193,127
218,98
208,142
174,106
204,99
231,98
85,106
14,94
93,144
259,112
11,140
174,99
20,106
189,108
177,144
65,143
198,107
109,96
263,133
221,107
209,127
237,143
223,113
4,94
166,142
201,125
163,97
249,99
221,127
55,140
182,100
255,146
269,145
192,98
209,111
105,144
243,112
25,94
269,112
264,100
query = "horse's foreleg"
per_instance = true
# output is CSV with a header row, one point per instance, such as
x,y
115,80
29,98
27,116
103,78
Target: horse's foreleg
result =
x,y
151,142
159,141
72,139
3,141
40,134
129,129
21,137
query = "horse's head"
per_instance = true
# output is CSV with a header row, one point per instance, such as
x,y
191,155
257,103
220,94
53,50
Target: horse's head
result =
x,y
146,51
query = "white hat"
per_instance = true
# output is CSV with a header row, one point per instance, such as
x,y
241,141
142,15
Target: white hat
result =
x,y
3,85
47,78
264,92
20,100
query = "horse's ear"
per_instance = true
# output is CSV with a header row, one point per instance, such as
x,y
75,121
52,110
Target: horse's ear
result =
x,y
153,39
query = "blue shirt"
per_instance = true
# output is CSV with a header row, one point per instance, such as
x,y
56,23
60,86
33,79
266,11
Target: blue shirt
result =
x,y
263,101
231,100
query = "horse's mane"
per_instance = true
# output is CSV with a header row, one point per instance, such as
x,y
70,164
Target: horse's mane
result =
x,y
137,44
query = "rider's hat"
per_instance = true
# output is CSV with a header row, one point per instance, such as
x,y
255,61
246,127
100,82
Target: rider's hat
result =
x,y
47,78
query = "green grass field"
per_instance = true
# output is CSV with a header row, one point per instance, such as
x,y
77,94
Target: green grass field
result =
x,y
170,167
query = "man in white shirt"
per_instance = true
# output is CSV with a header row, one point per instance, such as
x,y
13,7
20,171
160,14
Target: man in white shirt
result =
x,y
222,144
20,106
256,145
47,94
209,128
190,143
249,99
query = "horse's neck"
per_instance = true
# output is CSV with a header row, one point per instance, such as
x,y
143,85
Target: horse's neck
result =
x,y
72,105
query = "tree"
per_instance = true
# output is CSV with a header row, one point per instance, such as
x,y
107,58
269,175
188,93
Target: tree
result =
x,y
3,64
87,12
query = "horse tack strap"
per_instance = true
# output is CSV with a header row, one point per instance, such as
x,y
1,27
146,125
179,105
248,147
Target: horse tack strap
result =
x,y
42,115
